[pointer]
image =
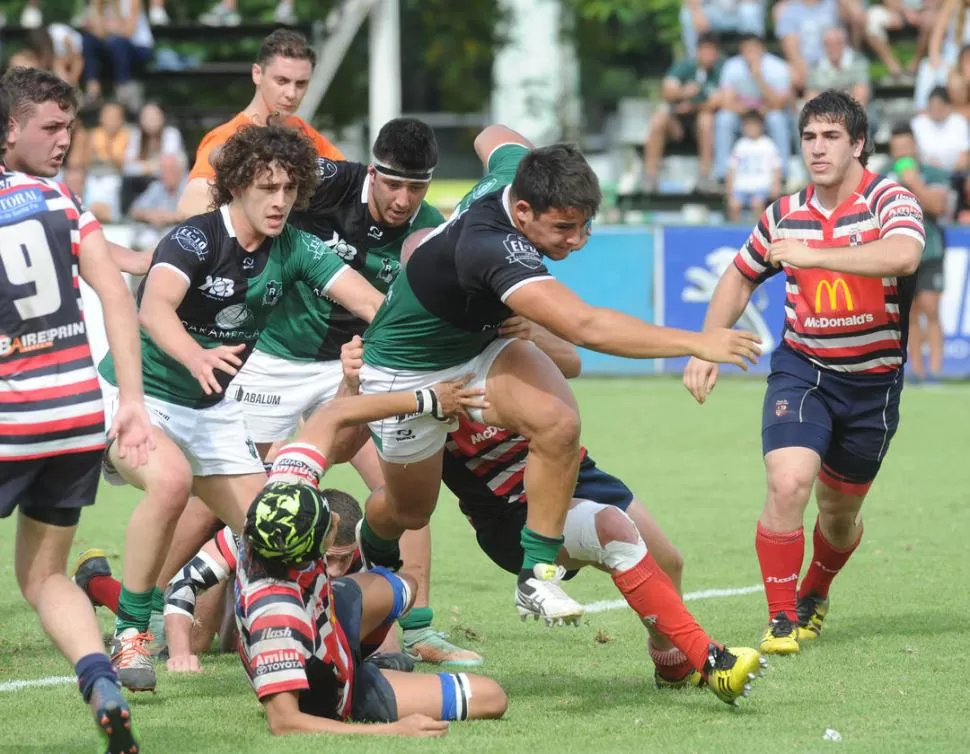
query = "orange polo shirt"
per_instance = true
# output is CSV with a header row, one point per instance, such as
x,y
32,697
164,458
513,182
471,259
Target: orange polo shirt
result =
x,y
220,135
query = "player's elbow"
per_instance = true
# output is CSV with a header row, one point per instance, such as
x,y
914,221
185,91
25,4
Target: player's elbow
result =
x,y
908,257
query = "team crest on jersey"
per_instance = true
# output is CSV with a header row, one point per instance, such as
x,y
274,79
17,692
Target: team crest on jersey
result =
x,y
191,239
388,271
341,248
233,317
273,293
781,408
520,251
326,169
483,188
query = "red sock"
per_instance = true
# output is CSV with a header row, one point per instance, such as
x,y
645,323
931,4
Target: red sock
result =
x,y
780,557
651,593
105,590
671,664
827,561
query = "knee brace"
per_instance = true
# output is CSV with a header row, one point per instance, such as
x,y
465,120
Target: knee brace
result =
x,y
402,593
198,575
582,541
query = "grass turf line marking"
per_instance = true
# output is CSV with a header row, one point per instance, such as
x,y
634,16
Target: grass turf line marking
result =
x,y
704,594
593,607
51,680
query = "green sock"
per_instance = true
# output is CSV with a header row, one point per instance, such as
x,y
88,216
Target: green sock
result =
x,y
380,545
134,609
538,549
158,600
418,618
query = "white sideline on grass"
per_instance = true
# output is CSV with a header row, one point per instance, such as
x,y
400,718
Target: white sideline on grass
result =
x,y
593,607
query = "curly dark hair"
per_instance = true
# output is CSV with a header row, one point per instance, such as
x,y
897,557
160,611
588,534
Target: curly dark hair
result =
x,y
29,87
252,149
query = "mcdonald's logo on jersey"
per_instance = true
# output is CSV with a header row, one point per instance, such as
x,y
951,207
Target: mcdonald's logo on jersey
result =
x,y
832,288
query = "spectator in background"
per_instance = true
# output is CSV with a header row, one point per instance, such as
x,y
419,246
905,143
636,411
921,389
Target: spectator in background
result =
x,y
157,15
894,15
800,28
951,31
691,97
931,185
753,80
118,30
958,83
700,16
104,156
840,68
942,136
32,17
754,169
149,140
156,207
108,141
56,49
225,14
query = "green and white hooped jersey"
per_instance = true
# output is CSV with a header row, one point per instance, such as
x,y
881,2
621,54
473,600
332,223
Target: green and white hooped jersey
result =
x,y
447,306
305,327
231,292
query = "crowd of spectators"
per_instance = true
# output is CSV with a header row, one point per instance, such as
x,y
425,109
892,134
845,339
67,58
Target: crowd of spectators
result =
x,y
740,110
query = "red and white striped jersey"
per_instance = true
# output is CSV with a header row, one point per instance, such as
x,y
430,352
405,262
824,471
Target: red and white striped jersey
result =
x,y
290,638
50,402
846,323
484,464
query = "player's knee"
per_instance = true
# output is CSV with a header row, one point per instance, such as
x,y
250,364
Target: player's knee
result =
x,y
671,562
409,518
557,429
621,546
488,700
788,490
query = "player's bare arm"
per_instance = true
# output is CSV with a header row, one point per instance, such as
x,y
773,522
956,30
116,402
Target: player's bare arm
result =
x,y
444,400
284,717
131,427
352,291
494,136
563,353
896,255
728,302
164,290
196,198
555,307
132,262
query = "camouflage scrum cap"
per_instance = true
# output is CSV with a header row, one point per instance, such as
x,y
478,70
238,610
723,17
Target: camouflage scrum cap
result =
x,y
288,523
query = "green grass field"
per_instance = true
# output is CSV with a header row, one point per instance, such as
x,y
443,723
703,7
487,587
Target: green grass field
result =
x,y
889,672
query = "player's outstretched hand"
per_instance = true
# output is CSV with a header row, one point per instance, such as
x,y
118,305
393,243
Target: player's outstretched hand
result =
x,y
352,359
700,377
726,346
454,399
183,664
224,358
420,726
518,327
132,431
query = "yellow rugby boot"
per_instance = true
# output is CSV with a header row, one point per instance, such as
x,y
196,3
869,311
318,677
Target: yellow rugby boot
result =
x,y
781,638
730,671
811,610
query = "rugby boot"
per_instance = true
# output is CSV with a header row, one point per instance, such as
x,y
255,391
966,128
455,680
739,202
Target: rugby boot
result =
x,y
781,638
131,657
391,661
538,594
114,718
730,671
431,646
811,610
